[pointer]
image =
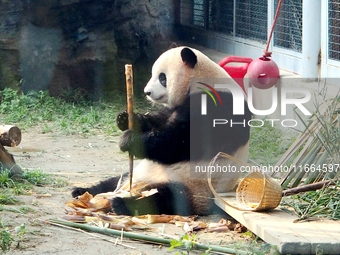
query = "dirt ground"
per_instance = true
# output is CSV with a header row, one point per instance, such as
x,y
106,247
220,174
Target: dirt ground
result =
x,y
79,161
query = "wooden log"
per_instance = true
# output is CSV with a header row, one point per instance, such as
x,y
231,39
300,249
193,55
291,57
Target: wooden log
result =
x,y
10,135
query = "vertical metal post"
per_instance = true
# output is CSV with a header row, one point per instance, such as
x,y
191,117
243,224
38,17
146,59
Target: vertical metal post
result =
x,y
206,14
234,19
311,38
270,19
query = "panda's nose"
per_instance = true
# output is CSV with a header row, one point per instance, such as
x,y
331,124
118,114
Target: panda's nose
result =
x,y
148,93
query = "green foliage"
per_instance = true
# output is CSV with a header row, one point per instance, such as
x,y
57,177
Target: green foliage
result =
x,y
187,242
320,161
52,114
5,239
10,187
8,236
21,210
323,203
38,178
5,179
267,144
257,247
7,198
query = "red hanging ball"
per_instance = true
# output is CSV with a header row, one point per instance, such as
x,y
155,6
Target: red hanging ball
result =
x,y
263,73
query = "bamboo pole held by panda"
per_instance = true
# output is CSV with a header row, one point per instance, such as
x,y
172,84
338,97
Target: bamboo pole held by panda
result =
x,y
129,97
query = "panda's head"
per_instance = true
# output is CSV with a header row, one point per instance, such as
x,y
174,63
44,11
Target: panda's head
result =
x,y
172,72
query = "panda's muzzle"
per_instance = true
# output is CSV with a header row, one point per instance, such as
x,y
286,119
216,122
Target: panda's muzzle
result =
x,y
151,96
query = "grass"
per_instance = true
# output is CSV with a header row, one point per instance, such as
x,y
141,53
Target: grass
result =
x,y
39,178
9,236
268,143
10,188
50,114
319,204
7,198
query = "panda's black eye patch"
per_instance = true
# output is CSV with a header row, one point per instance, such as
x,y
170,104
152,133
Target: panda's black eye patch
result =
x,y
162,79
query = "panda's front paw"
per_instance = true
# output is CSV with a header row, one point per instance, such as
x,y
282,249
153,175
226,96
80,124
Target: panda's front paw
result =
x,y
131,141
123,120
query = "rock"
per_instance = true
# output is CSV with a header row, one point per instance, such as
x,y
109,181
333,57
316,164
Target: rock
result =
x,y
81,45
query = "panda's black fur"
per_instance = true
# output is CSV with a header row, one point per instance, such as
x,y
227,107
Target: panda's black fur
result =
x,y
164,137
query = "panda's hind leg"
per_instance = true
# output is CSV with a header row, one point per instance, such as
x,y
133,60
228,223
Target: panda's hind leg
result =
x,y
102,187
171,198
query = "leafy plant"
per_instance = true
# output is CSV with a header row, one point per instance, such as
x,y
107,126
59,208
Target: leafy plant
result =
x,y
186,241
8,236
5,239
38,178
7,198
323,203
5,179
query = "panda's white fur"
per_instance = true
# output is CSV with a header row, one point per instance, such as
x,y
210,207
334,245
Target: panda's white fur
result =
x,y
152,172
178,76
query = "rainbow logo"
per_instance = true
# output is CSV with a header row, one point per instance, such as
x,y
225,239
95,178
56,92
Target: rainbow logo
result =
x,y
214,92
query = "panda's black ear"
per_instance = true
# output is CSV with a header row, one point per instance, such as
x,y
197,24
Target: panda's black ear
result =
x,y
189,57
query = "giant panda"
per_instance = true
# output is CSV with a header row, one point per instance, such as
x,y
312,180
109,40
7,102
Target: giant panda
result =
x,y
169,147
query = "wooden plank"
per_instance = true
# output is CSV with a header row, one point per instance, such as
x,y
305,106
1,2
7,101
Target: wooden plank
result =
x,y
278,228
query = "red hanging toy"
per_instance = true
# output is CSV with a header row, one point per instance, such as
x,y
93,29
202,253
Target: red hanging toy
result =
x,y
262,72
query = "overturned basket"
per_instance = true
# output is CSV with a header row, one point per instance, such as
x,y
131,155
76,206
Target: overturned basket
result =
x,y
256,192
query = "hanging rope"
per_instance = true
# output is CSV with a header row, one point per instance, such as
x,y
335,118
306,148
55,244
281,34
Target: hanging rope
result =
x,y
268,54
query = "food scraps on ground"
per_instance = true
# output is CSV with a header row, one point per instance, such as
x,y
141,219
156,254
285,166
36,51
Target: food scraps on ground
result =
x,y
96,210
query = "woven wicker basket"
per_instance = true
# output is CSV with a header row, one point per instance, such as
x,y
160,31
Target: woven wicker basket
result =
x,y
255,192
258,192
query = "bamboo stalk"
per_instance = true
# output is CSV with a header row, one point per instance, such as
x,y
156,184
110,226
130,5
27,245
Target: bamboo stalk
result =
x,y
310,154
318,173
129,99
291,174
146,238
